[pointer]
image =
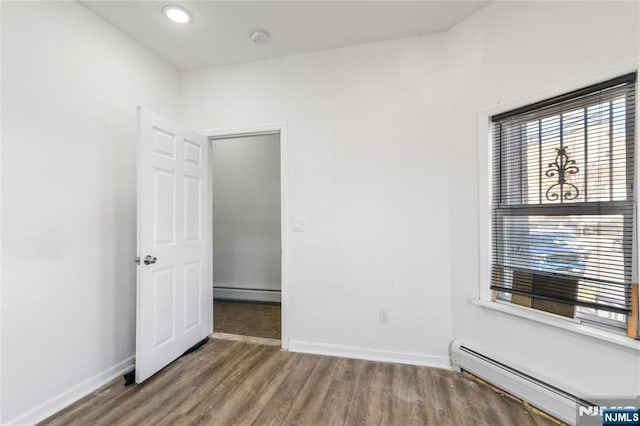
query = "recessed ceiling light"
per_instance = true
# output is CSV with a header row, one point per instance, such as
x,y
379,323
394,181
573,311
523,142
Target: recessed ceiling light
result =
x,y
177,14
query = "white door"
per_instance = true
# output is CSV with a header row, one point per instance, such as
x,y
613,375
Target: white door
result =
x,y
174,289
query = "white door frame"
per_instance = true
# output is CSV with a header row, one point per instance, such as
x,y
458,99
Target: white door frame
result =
x,y
281,129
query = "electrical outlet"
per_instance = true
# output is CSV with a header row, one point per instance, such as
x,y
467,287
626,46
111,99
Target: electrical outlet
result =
x,y
384,315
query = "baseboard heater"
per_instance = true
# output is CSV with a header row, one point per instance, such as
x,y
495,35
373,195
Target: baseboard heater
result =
x,y
547,397
246,294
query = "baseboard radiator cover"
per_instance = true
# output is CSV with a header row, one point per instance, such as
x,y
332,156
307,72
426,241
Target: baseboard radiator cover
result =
x,y
538,392
243,294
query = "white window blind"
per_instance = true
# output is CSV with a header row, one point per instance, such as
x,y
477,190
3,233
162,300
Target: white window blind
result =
x,y
563,198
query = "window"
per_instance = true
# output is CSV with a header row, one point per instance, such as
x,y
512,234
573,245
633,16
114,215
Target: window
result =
x,y
563,203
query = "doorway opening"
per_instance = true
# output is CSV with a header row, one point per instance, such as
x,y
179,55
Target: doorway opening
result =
x,y
247,235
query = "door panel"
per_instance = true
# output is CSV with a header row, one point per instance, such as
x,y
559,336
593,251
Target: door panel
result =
x,y
192,209
174,289
193,292
163,306
164,207
192,152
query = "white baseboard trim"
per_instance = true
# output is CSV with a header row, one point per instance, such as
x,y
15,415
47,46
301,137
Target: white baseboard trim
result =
x,y
69,396
243,294
398,357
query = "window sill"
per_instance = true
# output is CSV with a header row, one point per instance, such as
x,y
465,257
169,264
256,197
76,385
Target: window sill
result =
x,y
572,325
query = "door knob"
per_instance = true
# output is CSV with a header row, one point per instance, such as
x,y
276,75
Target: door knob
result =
x,y
150,260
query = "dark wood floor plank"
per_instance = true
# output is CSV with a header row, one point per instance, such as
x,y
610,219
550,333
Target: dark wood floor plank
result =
x,y
237,383
369,403
420,404
250,397
337,400
403,396
183,374
360,382
214,388
307,405
276,410
433,407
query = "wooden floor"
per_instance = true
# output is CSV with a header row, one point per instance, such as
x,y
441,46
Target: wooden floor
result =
x,y
247,319
225,383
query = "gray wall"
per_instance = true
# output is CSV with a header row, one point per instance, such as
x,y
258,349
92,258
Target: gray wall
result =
x,y
246,213
367,165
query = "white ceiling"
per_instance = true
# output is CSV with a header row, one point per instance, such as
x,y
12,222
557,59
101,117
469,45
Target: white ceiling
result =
x,y
220,31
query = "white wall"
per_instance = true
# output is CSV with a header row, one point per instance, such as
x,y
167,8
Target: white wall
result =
x,y
388,181
367,171
70,86
383,166
512,52
246,212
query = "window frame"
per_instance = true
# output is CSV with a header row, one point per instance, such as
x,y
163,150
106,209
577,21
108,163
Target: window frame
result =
x,y
487,297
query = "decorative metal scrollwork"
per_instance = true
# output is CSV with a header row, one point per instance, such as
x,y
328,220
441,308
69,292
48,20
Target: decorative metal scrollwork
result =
x,y
562,167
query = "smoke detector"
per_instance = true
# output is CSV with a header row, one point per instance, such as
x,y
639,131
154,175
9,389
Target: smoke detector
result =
x,y
260,37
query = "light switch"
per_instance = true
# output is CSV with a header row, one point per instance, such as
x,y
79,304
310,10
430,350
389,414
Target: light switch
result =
x,y
299,225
